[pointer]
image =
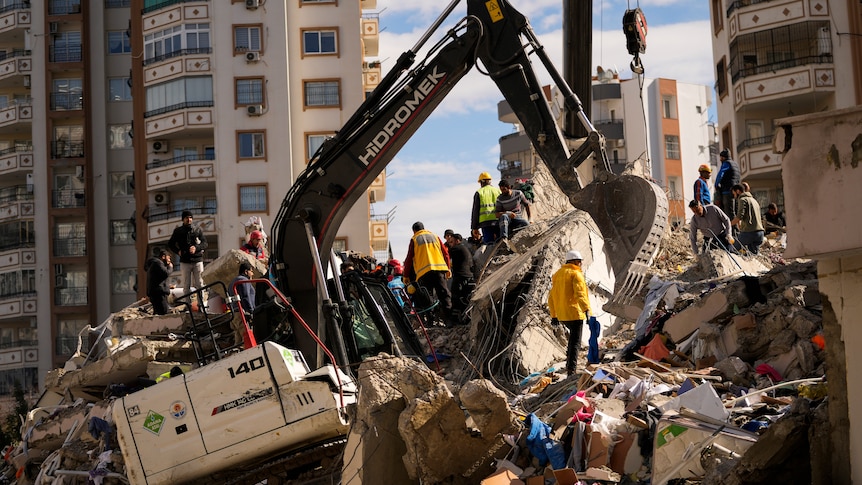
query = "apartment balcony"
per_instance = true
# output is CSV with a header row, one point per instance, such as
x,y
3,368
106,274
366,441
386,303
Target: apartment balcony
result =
x,y
70,295
191,117
64,53
66,101
371,75
70,247
156,6
371,34
606,91
185,169
67,149
367,4
17,63
162,221
514,143
16,202
68,198
16,159
17,112
377,189
118,3
64,7
177,53
756,158
510,169
14,17
505,113
18,354
611,129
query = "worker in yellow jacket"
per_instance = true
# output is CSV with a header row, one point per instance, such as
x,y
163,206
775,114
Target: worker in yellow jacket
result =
x,y
427,263
569,304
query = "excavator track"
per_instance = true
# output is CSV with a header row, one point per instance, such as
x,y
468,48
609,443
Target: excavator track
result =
x,y
319,463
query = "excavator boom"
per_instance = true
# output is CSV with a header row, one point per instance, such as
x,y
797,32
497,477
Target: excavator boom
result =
x,y
630,211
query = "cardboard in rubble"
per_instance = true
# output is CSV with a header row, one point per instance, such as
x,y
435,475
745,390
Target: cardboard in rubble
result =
x,y
503,477
679,441
566,476
702,399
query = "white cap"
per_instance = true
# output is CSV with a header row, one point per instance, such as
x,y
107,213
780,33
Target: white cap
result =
x,y
573,255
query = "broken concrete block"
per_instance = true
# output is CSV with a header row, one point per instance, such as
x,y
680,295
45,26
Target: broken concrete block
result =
x,y
782,342
226,267
732,366
488,406
712,307
805,294
805,323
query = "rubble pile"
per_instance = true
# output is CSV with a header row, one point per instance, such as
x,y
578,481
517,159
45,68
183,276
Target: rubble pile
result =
x,y
717,379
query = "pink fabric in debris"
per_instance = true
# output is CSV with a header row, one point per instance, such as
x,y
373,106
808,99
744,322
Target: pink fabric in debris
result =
x,y
766,369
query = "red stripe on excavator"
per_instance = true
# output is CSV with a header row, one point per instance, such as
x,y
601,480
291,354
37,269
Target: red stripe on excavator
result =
x,y
383,151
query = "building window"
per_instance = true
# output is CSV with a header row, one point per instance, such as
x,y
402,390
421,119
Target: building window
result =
x,y
249,91
673,192
188,92
70,239
668,106
313,141
321,93
671,147
721,78
119,89
246,39
717,16
16,283
252,198
122,184
339,245
315,2
120,136
123,280
251,144
119,42
65,47
317,42
122,232
67,336
175,41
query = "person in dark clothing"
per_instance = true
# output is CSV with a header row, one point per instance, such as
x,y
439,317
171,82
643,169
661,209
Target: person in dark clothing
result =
x,y
189,243
728,176
158,269
462,273
775,221
245,291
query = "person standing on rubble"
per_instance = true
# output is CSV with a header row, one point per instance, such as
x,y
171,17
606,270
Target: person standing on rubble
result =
x,y
483,216
255,246
727,177
462,274
513,210
427,264
569,304
158,270
713,224
701,185
748,219
189,243
245,291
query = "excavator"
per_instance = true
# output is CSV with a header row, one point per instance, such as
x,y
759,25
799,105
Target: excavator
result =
x,y
264,407
630,211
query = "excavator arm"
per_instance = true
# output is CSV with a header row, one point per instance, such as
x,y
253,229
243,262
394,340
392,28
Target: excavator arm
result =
x,y
346,165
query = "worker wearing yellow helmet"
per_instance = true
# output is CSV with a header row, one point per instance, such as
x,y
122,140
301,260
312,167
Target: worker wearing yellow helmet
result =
x,y
701,185
484,217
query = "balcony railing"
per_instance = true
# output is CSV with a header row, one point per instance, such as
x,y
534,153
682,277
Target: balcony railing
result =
x,y
742,3
753,142
64,7
8,245
165,215
153,6
17,52
181,159
118,3
509,165
67,101
70,296
67,149
19,343
65,247
779,65
174,107
17,294
66,346
14,6
21,146
68,198
177,53
16,193
70,53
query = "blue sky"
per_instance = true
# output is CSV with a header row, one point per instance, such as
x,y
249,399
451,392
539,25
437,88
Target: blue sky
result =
x,y
433,178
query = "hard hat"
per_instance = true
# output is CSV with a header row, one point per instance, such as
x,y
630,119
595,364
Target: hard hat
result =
x,y
574,255
484,176
397,267
255,235
704,168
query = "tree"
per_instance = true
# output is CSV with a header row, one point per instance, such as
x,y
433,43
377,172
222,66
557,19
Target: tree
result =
x,y
10,426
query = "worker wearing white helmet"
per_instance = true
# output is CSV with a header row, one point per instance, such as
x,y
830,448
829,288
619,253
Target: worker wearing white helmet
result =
x,y
569,304
484,217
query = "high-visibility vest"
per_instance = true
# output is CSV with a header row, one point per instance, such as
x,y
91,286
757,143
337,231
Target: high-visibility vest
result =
x,y
427,254
487,200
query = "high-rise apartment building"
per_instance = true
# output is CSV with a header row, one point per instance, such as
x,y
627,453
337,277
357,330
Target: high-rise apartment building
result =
x,y
117,115
775,59
664,134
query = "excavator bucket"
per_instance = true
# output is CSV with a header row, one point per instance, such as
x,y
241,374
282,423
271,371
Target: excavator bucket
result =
x,y
631,213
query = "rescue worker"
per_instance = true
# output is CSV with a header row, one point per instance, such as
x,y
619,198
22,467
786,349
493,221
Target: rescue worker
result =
x,y
748,219
728,176
484,216
427,264
569,304
701,185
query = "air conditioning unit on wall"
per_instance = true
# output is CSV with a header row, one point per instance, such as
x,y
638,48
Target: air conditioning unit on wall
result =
x,y
252,4
161,198
254,110
159,146
252,56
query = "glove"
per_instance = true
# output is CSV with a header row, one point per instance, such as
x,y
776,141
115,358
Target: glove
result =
x,y
730,240
587,316
555,322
